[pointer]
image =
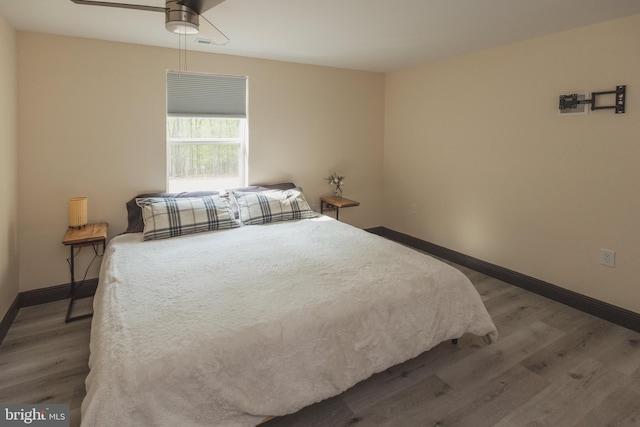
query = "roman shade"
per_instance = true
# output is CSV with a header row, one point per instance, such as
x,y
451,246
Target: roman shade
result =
x,y
211,95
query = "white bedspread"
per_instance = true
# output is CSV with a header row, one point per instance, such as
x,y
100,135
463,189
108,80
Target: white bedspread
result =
x,y
228,327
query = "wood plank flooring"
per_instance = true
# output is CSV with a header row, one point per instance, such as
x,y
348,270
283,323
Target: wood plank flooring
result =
x,y
552,366
43,359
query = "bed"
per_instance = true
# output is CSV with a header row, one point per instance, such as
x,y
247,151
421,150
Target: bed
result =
x,y
231,326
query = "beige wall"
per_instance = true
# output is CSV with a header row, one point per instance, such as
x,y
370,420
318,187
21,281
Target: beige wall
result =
x,y
8,166
91,123
476,144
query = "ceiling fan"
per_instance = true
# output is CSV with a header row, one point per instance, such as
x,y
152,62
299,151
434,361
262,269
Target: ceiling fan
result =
x,y
181,16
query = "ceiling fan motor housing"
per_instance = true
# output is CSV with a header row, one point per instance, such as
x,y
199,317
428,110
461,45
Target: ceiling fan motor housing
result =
x,y
181,19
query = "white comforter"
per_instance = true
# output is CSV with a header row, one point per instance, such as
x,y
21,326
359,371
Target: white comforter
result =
x,y
228,327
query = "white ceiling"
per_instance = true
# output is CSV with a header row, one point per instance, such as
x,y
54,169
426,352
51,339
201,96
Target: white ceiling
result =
x,y
372,35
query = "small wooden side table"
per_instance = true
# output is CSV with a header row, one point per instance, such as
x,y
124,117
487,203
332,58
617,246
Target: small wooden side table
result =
x,y
335,202
89,235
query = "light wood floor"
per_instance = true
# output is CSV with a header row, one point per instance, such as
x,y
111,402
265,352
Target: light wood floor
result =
x,y
552,366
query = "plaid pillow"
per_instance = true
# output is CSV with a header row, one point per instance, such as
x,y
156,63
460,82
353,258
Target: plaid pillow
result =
x,y
170,217
271,206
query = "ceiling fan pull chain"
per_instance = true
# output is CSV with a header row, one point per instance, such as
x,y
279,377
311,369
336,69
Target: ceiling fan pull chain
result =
x,y
179,53
185,47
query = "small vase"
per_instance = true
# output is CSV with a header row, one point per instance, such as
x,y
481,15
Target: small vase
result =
x,y
337,192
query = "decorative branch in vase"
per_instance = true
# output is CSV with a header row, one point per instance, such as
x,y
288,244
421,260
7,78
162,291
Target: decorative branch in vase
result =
x,y
337,181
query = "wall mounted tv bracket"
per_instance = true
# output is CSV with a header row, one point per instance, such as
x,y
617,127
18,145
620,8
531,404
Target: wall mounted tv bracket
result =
x,y
571,101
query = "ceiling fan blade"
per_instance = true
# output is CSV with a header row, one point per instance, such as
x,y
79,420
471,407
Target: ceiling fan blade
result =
x,y
211,32
200,6
121,5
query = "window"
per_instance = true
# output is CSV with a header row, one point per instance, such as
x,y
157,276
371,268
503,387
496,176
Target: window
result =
x,y
205,153
206,132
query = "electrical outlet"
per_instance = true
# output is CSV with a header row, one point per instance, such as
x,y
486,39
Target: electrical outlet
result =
x,y
414,209
607,257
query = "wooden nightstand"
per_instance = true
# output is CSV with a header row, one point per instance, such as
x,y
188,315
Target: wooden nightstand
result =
x,y
89,235
334,202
